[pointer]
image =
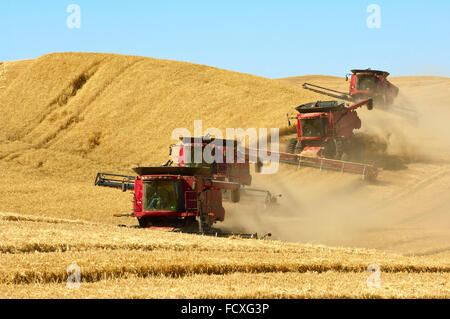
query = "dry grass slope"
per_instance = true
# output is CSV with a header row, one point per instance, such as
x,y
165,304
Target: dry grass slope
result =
x,y
83,104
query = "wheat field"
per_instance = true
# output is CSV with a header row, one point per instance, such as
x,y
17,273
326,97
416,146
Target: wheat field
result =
x,y
67,116
134,263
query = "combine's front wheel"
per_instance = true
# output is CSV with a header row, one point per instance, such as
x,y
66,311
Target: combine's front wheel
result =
x,y
291,145
333,149
191,226
144,222
299,147
235,195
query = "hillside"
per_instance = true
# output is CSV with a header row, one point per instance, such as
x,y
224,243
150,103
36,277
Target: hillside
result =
x,y
83,105
67,116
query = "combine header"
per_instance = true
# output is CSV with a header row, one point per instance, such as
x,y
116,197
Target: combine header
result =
x,y
238,170
367,171
364,84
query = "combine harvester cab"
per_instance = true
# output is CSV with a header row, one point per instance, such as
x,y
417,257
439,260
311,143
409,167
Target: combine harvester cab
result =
x,y
173,198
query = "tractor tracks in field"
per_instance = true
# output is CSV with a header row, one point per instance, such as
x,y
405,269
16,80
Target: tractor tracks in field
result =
x,y
406,196
432,252
62,101
79,117
416,186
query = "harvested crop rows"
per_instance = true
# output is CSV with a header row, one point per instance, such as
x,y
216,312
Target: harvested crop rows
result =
x,y
37,261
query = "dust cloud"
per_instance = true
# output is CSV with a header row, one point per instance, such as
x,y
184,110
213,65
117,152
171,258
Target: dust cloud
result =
x,y
423,137
315,207
336,209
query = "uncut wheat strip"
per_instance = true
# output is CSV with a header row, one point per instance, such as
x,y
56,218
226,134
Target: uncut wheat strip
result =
x,y
13,217
243,285
26,237
98,265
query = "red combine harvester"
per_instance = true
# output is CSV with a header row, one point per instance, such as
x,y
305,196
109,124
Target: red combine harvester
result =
x,y
188,197
173,198
234,170
364,84
325,137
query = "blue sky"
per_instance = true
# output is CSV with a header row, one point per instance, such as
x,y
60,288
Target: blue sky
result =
x,y
268,38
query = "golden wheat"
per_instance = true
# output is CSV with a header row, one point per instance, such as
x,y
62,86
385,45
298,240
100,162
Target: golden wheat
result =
x,y
106,253
274,285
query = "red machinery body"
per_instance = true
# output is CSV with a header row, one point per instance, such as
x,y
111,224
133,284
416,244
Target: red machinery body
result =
x,y
235,169
173,197
366,84
193,197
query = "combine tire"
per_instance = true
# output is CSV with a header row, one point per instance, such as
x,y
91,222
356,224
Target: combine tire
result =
x,y
294,146
333,149
291,145
380,102
329,150
144,222
235,196
191,226
299,147
258,167
339,149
